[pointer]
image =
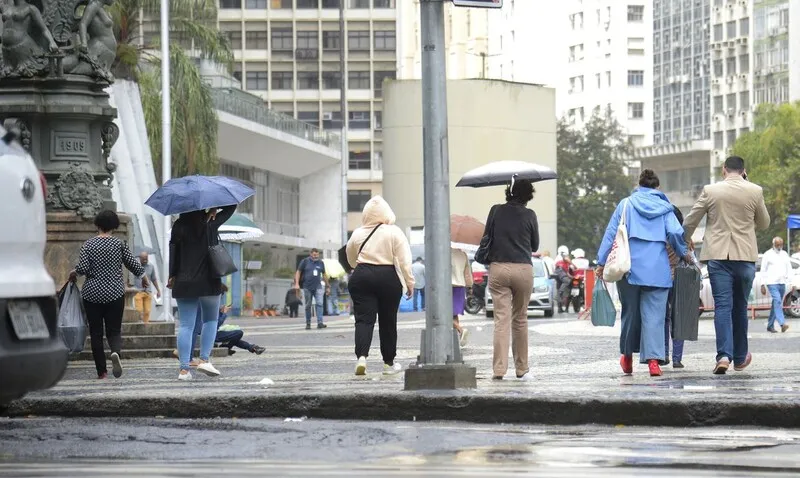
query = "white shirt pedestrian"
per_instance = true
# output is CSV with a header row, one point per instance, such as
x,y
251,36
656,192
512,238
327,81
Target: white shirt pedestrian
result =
x,y
776,267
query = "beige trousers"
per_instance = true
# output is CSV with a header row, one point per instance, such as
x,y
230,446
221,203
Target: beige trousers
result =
x,y
511,286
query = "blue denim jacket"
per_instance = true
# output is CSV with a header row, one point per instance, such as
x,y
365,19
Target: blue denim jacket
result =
x,y
651,225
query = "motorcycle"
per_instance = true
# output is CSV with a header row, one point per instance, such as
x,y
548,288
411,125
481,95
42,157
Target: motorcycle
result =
x,y
576,295
476,301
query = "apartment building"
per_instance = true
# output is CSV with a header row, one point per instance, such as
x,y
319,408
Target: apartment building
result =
x,y
466,40
287,52
609,47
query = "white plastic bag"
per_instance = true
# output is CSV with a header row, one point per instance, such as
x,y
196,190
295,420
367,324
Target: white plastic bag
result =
x,y
71,318
619,259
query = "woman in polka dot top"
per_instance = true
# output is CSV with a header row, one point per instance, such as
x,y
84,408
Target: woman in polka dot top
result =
x,y
100,260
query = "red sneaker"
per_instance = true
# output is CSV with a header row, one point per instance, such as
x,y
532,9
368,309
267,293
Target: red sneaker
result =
x,y
655,370
626,362
101,376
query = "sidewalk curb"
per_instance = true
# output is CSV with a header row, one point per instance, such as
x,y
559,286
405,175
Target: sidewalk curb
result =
x,y
426,406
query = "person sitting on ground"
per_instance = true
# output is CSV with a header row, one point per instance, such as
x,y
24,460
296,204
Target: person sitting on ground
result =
x,y
293,302
228,336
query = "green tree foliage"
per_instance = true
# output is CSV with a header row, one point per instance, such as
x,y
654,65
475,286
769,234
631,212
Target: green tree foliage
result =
x,y
591,180
772,158
193,34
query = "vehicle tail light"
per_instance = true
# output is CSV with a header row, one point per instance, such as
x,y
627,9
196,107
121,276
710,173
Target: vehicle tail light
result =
x,y
44,184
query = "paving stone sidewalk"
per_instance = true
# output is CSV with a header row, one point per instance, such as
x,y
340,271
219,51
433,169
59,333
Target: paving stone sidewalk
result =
x,y
578,380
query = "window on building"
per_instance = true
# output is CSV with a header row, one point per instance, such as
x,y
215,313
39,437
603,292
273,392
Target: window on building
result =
x,y
358,3
332,120
635,110
379,77
358,41
307,4
330,40
731,137
282,80
256,80
359,160
718,71
357,199
235,39
730,101
718,32
280,4
282,39
358,80
358,120
744,100
635,77
730,65
307,80
330,3
608,78
731,29
391,4
744,27
308,40
635,13
378,120
718,140
385,41
256,40
597,77
744,130
309,117
331,80
744,63
255,4
230,4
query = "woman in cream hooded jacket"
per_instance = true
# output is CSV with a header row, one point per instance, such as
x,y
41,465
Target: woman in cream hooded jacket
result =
x,y
381,257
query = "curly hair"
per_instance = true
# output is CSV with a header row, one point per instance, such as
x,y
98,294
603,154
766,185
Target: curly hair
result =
x,y
520,191
106,221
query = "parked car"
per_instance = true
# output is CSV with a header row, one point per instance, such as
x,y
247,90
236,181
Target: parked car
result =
x,y
757,299
543,295
32,354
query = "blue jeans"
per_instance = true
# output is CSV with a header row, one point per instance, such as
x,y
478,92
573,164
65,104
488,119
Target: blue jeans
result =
x,y
333,299
644,310
419,296
318,296
731,282
187,316
777,291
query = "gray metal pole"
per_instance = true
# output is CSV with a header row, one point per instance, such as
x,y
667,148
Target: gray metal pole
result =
x,y
437,347
343,109
166,155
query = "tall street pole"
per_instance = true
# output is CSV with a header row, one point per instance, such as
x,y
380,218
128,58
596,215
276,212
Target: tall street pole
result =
x,y
439,365
343,109
166,155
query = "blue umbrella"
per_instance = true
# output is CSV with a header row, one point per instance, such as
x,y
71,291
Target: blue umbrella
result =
x,y
194,193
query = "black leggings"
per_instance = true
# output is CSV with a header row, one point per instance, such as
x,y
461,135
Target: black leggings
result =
x,y
110,315
376,290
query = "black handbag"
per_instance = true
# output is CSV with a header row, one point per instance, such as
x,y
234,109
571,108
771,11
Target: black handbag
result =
x,y
686,302
220,262
343,252
482,255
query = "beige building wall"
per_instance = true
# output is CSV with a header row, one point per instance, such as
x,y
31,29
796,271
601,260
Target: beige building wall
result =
x,y
465,38
489,120
358,193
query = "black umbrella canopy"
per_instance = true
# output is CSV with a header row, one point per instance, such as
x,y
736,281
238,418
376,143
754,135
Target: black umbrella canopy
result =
x,y
499,173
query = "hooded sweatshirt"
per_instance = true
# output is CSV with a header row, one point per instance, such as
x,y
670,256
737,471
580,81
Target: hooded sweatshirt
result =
x,y
651,225
387,247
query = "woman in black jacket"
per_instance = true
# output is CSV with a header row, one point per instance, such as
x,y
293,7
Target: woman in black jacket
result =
x,y
193,285
515,237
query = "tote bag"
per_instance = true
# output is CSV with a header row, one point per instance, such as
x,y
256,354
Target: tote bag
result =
x,y
220,262
619,259
604,314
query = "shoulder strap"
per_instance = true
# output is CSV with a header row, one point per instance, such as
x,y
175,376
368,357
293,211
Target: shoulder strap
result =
x,y
490,220
622,220
368,238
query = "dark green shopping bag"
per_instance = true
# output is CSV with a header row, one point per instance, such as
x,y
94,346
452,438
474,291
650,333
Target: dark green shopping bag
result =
x,y
604,314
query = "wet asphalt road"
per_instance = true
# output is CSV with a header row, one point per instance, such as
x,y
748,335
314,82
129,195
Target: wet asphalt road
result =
x,y
44,447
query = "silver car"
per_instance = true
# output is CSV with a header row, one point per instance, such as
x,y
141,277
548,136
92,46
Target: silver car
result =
x,y
757,299
543,295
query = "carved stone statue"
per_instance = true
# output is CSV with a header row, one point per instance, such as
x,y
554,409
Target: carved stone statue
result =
x,y
97,47
25,39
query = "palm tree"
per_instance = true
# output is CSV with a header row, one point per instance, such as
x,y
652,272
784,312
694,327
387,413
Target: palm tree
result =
x,y
193,34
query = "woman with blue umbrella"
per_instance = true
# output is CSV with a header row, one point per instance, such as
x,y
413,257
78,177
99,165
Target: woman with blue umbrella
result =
x,y
197,260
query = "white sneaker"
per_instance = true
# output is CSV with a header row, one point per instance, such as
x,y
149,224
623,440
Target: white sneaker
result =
x,y
116,365
392,369
208,369
185,376
528,377
464,337
361,366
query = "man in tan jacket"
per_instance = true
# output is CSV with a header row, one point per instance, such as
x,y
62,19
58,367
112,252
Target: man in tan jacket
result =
x,y
735,209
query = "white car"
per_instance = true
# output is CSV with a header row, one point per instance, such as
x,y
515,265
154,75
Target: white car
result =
x,y
32,354
543,295
757,299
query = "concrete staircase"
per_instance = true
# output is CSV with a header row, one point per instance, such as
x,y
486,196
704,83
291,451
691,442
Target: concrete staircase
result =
x,y
143,341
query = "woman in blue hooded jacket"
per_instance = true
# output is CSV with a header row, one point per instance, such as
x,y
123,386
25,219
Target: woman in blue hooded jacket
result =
x,y
643,292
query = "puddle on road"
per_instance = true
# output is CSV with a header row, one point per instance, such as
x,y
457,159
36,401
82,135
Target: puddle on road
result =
x,y
728,386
